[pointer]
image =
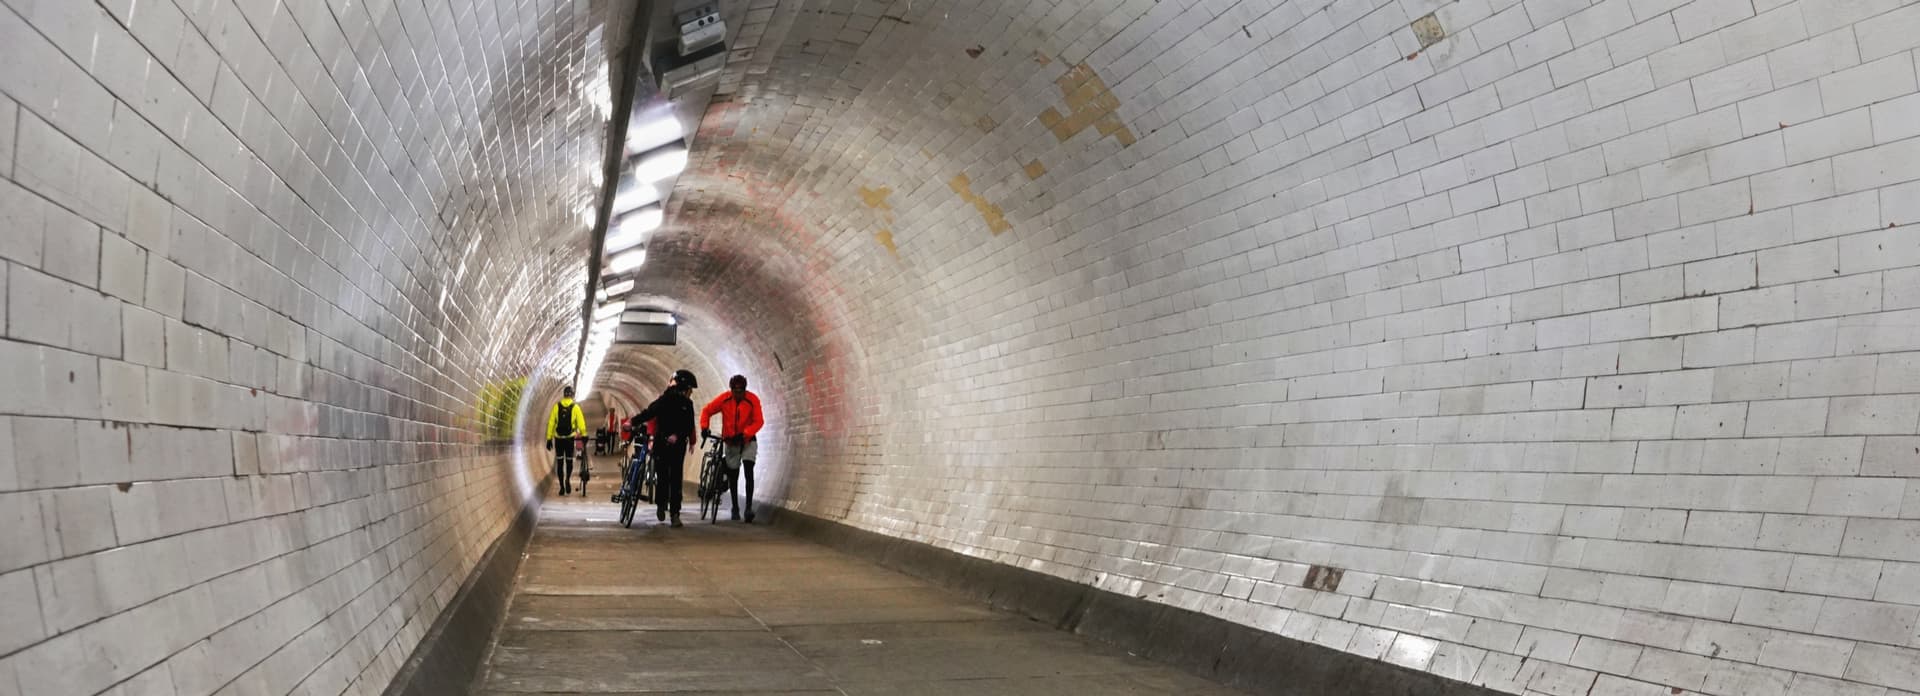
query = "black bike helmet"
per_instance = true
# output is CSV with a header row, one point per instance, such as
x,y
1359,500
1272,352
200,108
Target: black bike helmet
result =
x,y
738,382
685,378
567,391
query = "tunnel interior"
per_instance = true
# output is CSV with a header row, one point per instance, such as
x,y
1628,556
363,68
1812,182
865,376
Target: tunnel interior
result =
x,y
1540,346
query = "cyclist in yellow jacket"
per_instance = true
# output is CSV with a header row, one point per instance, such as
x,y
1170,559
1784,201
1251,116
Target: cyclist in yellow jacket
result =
x,y
565,422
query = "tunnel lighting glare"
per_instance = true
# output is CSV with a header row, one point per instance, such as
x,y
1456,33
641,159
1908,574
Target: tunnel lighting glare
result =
x,y
606,325
609,310
627,261
671,321
599,90
660,164
654,133
633,229
618,289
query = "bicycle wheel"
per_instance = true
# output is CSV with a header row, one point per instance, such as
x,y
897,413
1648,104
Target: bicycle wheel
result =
x,y
713,487
706,488
650,479
584,458
719,487
700,489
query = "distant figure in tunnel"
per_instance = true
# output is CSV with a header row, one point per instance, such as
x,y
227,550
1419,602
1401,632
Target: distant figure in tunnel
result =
x,y
740,421
564,422
672,414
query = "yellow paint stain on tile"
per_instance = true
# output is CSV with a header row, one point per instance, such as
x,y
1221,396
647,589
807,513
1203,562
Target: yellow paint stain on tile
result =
x,y
1035,169
886,240
876,198
995,217
925,153
1089,103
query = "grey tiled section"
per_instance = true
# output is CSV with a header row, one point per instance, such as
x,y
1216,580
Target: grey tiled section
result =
x,y
257,261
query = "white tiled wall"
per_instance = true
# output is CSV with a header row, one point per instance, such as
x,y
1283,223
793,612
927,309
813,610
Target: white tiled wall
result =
x,y
1585,340
257,260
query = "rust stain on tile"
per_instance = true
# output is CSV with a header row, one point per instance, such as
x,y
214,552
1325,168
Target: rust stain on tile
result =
x,y
995,217
1089,103
985,124
1041,58
886,240
876,198
1035,169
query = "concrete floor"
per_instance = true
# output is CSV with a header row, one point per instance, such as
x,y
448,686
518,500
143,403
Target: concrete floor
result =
x,y
737,609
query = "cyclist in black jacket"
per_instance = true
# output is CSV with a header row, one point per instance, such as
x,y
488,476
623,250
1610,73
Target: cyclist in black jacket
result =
x,y
673,415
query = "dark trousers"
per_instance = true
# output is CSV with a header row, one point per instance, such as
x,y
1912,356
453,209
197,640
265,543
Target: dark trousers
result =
x,y
563,456
746,471
671,461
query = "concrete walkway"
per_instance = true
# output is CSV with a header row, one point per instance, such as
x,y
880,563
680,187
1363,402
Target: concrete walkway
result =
x,y
738,609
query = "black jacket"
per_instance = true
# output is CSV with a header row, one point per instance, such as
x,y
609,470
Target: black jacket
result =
x,y
675,415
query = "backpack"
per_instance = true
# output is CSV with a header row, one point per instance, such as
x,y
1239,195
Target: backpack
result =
x,y
563,419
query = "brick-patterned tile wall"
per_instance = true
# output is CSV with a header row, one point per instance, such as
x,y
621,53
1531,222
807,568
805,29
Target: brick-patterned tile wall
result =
x,y
1559,346
259,261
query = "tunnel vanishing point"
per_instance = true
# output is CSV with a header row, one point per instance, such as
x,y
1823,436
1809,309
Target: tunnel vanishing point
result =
x,y
1535,347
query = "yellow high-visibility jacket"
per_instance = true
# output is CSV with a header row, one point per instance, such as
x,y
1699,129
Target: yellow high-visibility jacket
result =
x,y
576,425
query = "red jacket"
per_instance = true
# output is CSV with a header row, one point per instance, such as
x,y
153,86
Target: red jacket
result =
x,y
738,417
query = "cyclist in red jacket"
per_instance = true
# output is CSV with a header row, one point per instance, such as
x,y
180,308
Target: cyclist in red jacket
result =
x,y
740,421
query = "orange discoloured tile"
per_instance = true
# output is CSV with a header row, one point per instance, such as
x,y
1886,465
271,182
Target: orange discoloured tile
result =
x,y
995,217
876,198
1035,169
1089,103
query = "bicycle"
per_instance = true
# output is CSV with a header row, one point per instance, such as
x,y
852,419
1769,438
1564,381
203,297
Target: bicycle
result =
x,y
639,484
712,477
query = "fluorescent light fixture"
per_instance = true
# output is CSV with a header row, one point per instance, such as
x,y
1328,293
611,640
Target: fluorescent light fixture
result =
x,y
646,317
660,164
631,197
628,260
618,289
633,229
654,133
604,311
